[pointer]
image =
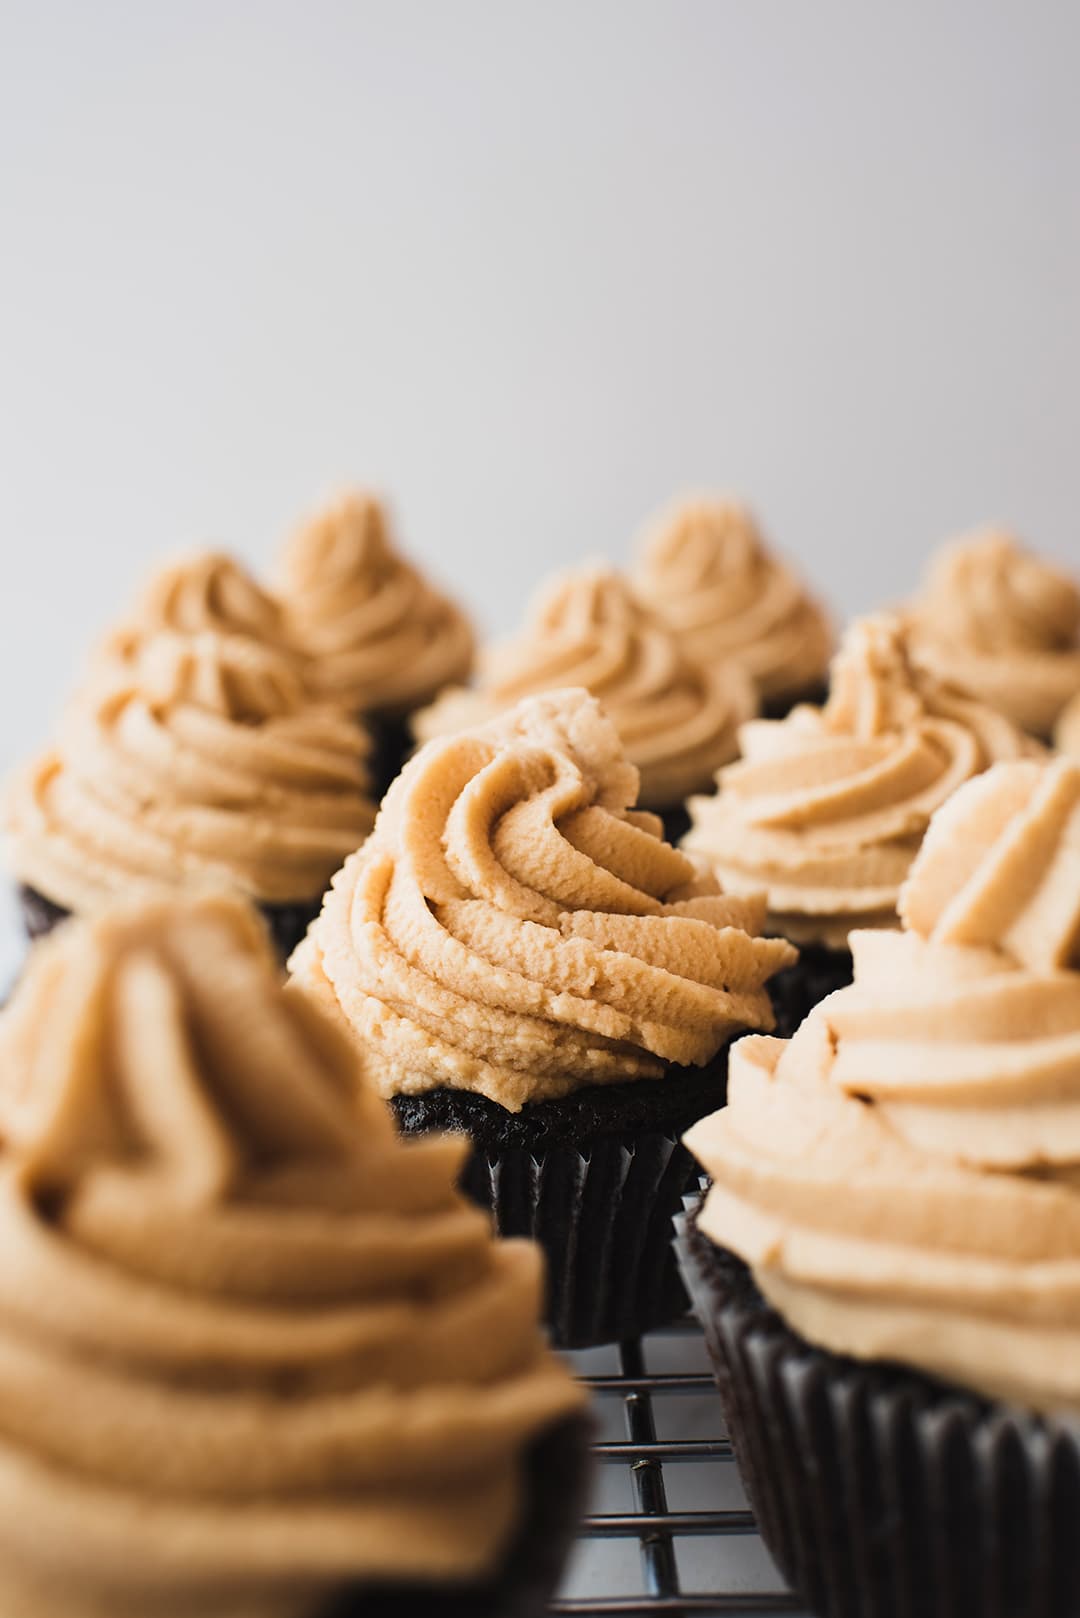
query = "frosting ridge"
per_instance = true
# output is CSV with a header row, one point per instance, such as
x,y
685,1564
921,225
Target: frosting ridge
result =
x,y
705,569
827,808
677,719
381,639
252,1344
903,1176
206,764
516,928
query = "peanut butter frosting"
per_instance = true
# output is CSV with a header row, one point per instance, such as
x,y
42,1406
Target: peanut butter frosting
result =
x,y
1067,730
1003,624
827,808
678,719
380,637
252,1344
514,927
705,569
206,765
903,1176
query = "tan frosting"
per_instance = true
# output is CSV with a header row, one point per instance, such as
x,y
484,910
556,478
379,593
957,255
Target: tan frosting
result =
x,y
706,570
827,808
904,1175
252,1344
513,927
380,637
1067,730
1003,624
677,719
206,765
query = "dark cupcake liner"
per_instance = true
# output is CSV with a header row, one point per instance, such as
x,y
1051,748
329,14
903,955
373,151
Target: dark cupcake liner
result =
x,y
557,1473
798,989
287,922
779,707
392,744
596,1179
676,823
880,1492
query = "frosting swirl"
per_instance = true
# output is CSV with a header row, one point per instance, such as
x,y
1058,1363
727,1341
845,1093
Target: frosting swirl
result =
x,y
252,1344
515,928
207,765
904,1175
677,719
1067,729
1003,624
381,638
827,808
705,569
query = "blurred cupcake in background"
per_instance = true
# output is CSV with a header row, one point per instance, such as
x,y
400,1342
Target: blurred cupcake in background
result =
x,y
382,640
706,570
203,764
999,622
826,809
1067,729
886,1264
520,957
260,1356
677,719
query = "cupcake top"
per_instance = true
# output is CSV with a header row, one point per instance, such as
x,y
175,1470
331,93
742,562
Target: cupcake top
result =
x,y
381,638
1003,624
1067,729
515,928
677,718
254,1344
706,570
205,765
827,808
903,1176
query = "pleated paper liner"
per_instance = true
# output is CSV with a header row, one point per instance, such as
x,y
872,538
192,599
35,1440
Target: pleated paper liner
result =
x,y
882,1493
287,922
596,1179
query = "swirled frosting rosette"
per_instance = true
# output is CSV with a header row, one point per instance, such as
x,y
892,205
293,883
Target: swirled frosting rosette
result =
x,y
1067,730
827,808
677,719
380,638
252,1345
206,765
903,1177
515,928
705,569
1001,623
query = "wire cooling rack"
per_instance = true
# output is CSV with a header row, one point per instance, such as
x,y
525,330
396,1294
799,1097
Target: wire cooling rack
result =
x,y
666,1491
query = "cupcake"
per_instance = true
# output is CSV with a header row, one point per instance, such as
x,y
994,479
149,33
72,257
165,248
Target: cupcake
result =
x,y
381,639
999,622
678,720
826,809
706,570
518,956
259,1355
206,765
886,1265
208,591
1067,729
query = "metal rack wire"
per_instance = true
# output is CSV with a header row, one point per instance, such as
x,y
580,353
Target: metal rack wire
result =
x,y
645,1452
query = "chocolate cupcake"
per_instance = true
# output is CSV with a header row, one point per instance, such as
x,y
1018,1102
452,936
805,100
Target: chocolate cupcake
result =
x,y
705,569
261,1359
204,765
827,809
886,1265
997,621
678,720
382,640
519,956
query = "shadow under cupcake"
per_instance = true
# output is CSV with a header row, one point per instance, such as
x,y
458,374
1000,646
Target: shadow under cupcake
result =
x,y
885,1265
520,957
